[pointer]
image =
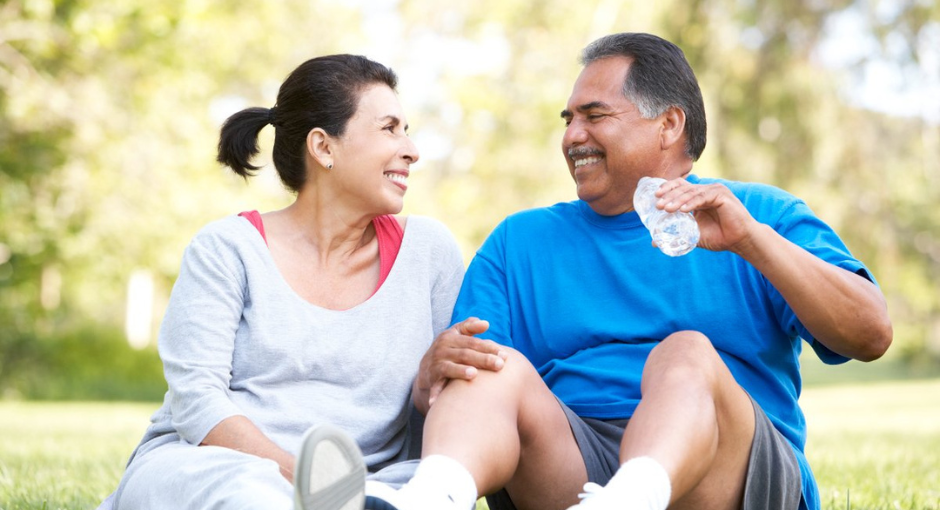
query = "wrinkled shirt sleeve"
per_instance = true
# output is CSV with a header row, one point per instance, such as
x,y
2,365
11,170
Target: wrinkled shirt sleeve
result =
x,y
197,337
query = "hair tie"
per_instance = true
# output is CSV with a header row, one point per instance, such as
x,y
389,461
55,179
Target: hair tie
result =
x,y
271,112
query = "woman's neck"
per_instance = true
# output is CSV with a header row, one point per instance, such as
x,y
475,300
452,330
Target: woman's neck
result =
x,y
330,230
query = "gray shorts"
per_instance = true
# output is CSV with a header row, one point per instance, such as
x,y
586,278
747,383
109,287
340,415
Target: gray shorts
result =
x,y
773,475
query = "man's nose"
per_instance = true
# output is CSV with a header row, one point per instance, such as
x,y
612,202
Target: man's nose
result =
x,y
574,134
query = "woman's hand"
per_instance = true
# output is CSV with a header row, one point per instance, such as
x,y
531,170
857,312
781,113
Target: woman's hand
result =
x,y
239,433
455,354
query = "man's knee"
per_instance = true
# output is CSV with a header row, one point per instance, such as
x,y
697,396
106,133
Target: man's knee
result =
x,y
536,401
517,372
686,346
687,356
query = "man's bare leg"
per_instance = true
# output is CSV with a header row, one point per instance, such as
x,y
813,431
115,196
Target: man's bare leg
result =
x,y
696,421
509,431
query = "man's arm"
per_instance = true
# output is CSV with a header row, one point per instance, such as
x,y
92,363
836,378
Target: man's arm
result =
x,y
455,354
842,310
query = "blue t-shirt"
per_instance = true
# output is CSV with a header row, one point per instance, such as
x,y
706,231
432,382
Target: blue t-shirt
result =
x,y
586,297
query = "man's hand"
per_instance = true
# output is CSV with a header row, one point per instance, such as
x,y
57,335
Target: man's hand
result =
x,y
842,310
456,354
723,221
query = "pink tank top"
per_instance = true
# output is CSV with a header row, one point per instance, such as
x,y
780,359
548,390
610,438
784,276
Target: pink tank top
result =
x,y
387,230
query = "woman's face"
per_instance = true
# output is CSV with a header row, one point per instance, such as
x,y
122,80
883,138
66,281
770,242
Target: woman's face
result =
x,y
372,159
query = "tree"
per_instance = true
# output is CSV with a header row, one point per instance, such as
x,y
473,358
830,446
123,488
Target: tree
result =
x,y
109,114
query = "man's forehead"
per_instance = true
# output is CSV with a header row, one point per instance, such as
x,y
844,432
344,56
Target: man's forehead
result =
x,y
600,84
605,72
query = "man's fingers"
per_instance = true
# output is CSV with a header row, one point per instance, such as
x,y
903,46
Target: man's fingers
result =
x,y
472,351
682,195
472,326
451,370
474,358
484,346
677,193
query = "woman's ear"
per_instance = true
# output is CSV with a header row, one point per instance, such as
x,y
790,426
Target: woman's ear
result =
x,y
320,147
673,127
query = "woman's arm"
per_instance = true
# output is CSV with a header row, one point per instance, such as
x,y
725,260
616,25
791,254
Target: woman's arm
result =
x,y
240,434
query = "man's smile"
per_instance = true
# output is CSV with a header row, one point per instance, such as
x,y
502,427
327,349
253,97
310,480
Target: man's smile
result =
x,y
579,162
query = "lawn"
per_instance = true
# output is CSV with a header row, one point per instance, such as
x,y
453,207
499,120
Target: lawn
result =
x,y
873,446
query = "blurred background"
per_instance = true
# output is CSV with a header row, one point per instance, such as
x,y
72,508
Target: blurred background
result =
x,y
109,115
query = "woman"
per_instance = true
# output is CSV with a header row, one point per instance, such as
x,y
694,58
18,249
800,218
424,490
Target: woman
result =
x,y
284,322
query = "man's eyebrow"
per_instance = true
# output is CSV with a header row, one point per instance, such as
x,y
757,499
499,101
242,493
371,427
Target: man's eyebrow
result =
x,y
594,105
566,114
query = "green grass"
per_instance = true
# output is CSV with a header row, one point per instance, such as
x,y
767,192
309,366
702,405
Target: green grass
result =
x,y
876,445
872,446
65,455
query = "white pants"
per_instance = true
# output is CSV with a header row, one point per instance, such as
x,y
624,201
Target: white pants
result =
x,y
183,476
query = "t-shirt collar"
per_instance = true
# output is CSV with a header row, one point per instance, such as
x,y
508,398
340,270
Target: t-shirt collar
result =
x,y
619,221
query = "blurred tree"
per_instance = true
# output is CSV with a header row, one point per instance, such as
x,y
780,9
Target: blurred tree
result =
x,y
109,114
505,70
108,121
778,115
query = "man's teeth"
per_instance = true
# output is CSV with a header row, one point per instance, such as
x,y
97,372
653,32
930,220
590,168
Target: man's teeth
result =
x,y
399,178
585,161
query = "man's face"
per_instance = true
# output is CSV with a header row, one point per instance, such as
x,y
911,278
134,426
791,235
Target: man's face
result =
x,y
608,145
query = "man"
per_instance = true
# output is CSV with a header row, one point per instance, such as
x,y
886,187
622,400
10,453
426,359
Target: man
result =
x,y
663,381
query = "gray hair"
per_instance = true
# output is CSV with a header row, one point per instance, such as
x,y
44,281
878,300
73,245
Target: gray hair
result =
x,y
660,77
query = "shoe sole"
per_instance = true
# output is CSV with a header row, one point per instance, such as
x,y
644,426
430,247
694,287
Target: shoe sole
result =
x,y
330,473
373,503
377,495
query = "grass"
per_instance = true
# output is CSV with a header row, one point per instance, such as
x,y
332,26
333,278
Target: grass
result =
x,y
876,445
872,446
65,455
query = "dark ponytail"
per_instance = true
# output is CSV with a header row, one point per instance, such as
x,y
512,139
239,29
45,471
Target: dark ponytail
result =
x,y
322,92
238,140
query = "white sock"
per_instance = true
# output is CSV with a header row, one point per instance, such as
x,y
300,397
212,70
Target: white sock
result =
x,y
436,472
642,483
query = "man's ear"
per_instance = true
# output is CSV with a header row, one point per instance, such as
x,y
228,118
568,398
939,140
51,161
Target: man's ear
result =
x,y
672,128
320,147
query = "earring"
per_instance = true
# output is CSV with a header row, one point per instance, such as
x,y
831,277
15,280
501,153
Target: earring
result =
x,y
330,166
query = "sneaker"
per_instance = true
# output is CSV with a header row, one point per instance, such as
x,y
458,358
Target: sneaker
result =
x,y
382,497
330,473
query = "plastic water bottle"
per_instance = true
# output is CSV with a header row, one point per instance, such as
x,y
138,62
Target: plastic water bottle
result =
x,y
674,233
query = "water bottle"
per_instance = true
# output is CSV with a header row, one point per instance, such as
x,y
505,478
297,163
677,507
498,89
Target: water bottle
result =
x,y
674,233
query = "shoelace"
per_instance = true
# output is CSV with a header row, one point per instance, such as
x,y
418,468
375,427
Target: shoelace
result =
x,y
591,489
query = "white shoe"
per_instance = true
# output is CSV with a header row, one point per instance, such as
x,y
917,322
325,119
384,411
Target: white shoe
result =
x,y
595,497
382,497
330,473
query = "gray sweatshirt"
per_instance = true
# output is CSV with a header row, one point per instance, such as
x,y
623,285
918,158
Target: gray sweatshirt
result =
x,y
237,340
